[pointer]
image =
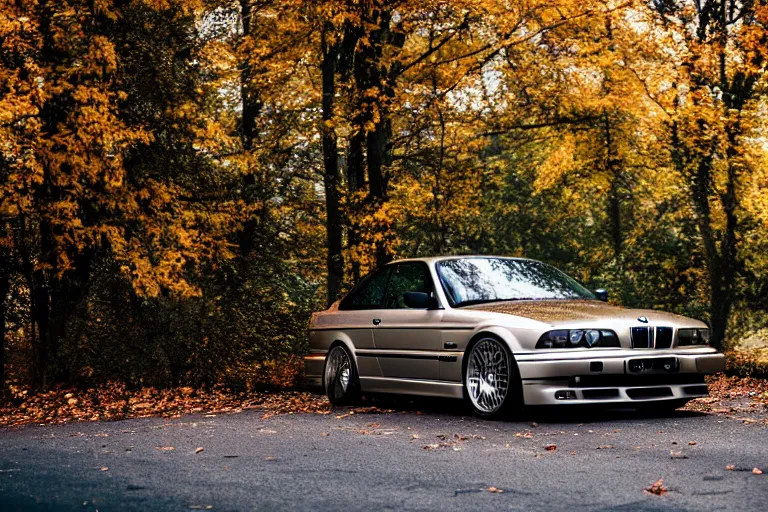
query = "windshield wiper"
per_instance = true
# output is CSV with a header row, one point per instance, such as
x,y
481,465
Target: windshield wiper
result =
x,y
487,301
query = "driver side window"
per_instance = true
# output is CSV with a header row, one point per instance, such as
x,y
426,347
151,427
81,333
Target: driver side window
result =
x,y
406,277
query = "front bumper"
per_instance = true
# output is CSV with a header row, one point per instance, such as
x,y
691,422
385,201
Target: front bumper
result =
x,y
607,376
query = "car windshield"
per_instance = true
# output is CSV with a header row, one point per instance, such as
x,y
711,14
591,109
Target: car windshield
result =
x,y
469,281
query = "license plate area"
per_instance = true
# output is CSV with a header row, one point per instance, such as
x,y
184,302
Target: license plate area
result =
x,y
654,365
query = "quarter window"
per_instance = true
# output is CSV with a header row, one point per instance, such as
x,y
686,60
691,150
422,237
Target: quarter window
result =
x,y
369,294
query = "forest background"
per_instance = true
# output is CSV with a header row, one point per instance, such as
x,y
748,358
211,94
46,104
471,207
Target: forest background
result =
x,y
183,182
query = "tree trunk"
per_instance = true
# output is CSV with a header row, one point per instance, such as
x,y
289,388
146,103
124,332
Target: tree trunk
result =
x,y
249,102
613,167
355,183
41,318
372,74
250,110
721,262
335,261
719,314
5,285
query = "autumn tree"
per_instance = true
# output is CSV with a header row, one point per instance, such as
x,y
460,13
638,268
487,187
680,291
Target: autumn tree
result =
x,y
712,100
80,182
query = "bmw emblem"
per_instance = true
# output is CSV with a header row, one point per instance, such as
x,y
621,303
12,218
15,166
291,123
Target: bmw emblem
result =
x,y
642,319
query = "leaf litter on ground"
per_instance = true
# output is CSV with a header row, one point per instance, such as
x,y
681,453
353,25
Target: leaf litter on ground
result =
x,y
116,402
657,488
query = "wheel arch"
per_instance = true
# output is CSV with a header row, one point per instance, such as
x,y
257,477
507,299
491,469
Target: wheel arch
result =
x,y
499,334
341,338
344,341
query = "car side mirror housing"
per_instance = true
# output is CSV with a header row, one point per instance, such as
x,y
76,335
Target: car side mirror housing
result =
x,y
601,294
419,300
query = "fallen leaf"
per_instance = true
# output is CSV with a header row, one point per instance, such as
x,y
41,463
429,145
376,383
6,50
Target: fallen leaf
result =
x,y
198,450
496,490
550,447
525,435
105,468
606,447
269,457
691,443
534,424
165,448
677,455
374,425
757,471
325,434
657,488
201,507
431,446
730,467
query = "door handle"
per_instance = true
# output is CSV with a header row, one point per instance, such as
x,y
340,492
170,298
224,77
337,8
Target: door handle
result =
x,y
449,344
376,321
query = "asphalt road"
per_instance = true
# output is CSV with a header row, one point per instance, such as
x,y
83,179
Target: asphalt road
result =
x,y
602,461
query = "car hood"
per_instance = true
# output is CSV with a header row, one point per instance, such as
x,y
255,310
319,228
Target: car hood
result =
x,y
555,312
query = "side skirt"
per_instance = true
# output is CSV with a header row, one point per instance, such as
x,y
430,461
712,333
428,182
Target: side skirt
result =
x,y
412,387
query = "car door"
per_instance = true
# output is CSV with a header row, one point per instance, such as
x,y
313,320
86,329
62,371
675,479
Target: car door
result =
x,y
407,340
355,315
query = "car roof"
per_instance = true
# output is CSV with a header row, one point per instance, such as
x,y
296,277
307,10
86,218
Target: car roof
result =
x,y
434,259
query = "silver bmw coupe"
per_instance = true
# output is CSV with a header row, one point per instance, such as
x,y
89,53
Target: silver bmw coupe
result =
x,y
502,333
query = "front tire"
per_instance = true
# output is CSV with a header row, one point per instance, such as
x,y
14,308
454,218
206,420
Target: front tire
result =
x,y
491,379
340,378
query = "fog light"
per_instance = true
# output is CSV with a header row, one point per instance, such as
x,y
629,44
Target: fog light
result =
x,y
565,394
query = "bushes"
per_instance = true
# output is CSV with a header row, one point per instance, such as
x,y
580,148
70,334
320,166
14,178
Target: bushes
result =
x,y
244,333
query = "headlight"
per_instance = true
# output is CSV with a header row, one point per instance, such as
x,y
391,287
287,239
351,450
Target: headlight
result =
x,y
692,337
578,338
575,337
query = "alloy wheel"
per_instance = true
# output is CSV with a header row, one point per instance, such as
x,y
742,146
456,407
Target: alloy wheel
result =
x,y
337,373
488,375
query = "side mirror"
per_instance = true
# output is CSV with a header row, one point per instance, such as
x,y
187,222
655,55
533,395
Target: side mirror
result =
x,y
416,300
601,294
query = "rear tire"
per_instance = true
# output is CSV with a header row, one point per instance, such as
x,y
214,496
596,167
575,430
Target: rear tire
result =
x,y
491,379
340,377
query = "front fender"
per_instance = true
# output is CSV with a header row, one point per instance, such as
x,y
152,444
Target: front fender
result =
x,y
503,334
